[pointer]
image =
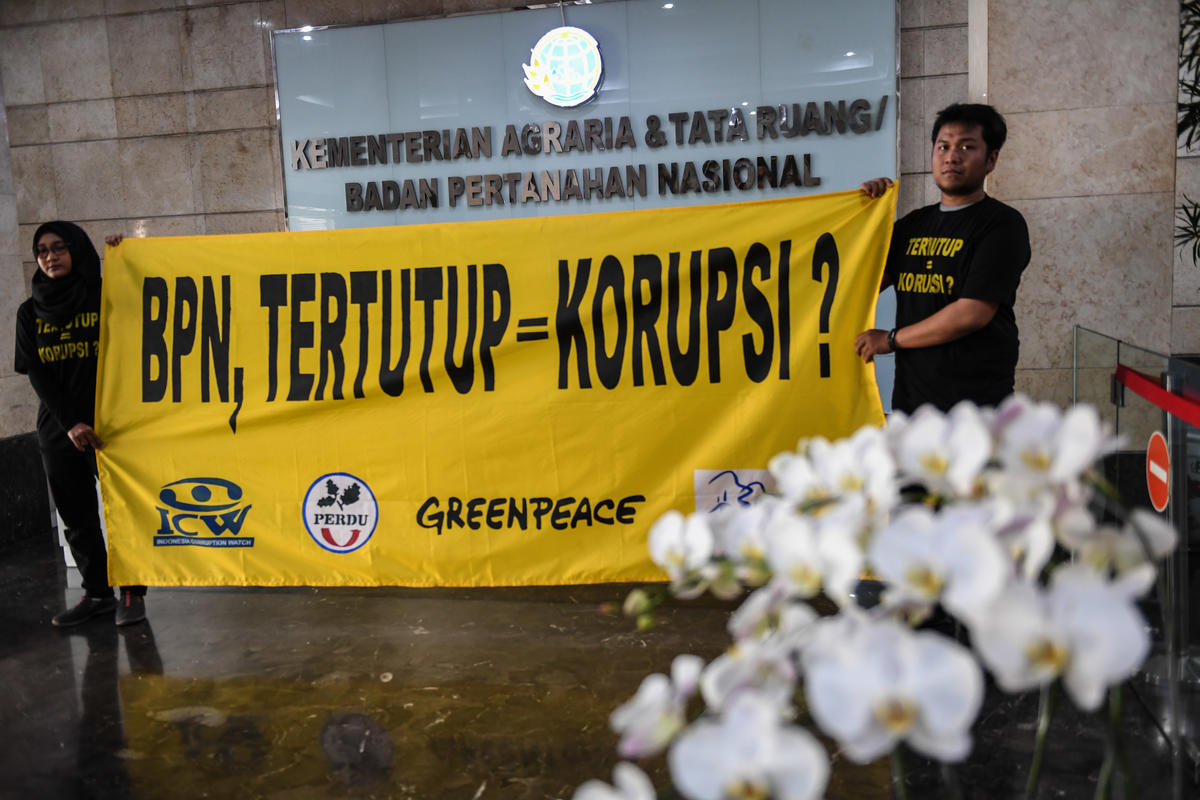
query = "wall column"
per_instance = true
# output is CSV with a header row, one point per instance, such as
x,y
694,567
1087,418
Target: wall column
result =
x,y
1090,162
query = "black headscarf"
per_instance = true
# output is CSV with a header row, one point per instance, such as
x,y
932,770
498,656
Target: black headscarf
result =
x,y
57,300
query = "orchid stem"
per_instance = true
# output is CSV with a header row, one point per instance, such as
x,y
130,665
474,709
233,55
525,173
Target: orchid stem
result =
x,y
950,779
1112,749
1045,712
899,791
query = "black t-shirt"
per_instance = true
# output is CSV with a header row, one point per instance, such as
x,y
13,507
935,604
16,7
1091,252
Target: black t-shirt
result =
x,y
935,258
60,361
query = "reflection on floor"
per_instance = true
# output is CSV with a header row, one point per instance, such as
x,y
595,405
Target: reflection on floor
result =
x,y
315,693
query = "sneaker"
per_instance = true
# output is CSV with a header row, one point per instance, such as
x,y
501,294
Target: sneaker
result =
x,y
85,609
132,608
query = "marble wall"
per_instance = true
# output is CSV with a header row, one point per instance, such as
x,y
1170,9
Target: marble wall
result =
x,y
18,404
1088,90
156,117
933,74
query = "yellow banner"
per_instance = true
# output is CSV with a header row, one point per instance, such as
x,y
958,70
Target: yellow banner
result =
x,y
471,404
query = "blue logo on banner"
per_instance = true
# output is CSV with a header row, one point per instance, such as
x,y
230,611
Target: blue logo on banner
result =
x,y
207,512
730,490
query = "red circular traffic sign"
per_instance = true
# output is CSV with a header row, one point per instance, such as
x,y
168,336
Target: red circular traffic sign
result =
x,y
1158,471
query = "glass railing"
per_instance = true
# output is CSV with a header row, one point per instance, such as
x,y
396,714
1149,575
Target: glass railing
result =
x,y
1126,385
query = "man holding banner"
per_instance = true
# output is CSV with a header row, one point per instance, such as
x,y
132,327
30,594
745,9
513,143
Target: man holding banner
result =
x,y
956,266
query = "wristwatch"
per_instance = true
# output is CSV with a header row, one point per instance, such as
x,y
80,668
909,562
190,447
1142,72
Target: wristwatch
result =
x,y
891,340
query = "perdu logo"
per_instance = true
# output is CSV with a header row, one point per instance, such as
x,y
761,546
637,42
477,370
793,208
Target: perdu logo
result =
x,y
208,512
340,512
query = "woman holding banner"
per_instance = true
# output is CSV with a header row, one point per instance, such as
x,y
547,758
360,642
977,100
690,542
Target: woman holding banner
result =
x,y
57,344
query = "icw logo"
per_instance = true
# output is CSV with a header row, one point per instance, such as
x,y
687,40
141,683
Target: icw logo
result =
x,y
340,512
208,512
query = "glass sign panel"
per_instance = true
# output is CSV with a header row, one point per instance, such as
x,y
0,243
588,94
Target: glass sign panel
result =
x,y
636,104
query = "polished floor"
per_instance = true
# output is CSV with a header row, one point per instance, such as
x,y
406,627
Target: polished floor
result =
x,y
355,693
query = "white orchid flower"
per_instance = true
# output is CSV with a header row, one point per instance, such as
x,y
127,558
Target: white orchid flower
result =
x,y
750,666
1145,539
1026,530
793,555
740,534
759,613
872,684
1009,487
821,470
1043,443
808,554
1112,552
797,478
951,557
769,633
748,753
685,675
829,635
629,783
946,452
842,558
1130,552
680,545
795,628
738,530
1039,514
1071,518
768,614
656,713
1158,534
1082,628
861,464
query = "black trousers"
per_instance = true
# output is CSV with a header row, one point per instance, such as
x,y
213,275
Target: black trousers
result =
x,y
72,477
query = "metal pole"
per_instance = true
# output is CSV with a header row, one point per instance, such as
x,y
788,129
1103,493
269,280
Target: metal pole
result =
x,y
1174,611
